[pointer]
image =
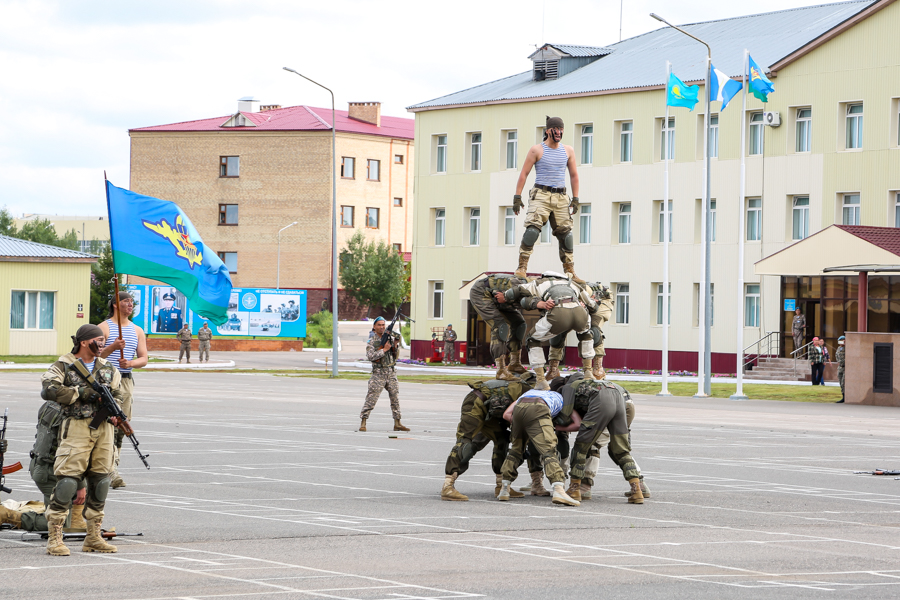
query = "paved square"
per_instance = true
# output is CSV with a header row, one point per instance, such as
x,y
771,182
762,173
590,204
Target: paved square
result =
x,y
260,487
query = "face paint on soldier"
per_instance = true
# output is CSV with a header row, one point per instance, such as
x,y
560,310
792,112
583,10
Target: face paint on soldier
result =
x,y
555,134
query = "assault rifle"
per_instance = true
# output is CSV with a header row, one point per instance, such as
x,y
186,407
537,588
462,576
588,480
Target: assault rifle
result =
x,y
4,471
388,332
77,535
877,472
109,408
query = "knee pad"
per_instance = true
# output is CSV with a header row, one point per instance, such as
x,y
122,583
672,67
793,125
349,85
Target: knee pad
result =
x,y
98,487
519,332
568,242
597,336
530,236
587,348
558,340
502,332
536,356
65,490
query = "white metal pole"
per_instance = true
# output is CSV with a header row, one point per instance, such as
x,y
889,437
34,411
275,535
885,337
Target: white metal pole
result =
x,y
666,224
701,292
278,264
739,392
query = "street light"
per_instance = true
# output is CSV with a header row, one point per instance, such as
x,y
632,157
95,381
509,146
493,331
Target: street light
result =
x,y
334,257
278,267
705,385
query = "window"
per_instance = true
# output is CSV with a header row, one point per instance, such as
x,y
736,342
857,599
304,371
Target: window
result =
x,y
228,214
398,159
712,220
512,149
441,164
545,232
229,166
348,167
587,144
751,305
754,219
854,126
474,226
372,218
584,221
850,209
509,226
804,129
659,303
757,133
437,299
622,303
373,170
346,216
625,223
897,210
667,141
714,136
439,223
662,223
398,201
800,218
398,248
230,260
32,310
476,152
625,139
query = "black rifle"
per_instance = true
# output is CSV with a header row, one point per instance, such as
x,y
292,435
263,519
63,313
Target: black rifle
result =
x,y
877,472
386,336
109,408
77,535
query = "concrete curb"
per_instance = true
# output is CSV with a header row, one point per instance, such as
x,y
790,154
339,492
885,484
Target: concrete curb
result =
x,y
224,364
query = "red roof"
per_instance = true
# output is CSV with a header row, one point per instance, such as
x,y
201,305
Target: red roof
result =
x,y
298,118
886,238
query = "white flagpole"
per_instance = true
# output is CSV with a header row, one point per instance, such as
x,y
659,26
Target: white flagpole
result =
x,y
739,392
701,310
666,224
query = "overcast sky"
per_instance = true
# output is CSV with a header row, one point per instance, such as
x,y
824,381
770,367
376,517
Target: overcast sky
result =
x,y
75,75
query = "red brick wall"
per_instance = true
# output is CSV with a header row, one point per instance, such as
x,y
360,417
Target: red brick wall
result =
x,y
248,345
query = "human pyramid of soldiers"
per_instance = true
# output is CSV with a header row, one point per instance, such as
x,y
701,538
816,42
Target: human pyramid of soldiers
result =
x,y
529,414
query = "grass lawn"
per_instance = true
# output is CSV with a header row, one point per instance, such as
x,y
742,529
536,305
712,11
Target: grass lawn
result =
x,y
31,358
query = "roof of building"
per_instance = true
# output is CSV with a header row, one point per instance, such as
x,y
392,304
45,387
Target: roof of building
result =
x,y
814,255
639,62
298,118
578,51
887,238
13,248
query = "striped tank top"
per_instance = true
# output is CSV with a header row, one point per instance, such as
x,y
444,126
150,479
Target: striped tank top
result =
x,y
129,334
551,168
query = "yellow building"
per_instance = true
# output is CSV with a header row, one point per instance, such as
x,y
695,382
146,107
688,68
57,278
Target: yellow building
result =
x,y
92,232
46,292
835,158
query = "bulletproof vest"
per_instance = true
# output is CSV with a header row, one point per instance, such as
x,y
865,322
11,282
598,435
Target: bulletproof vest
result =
x,y
499,394
502,283
46,440
390,358
559,290
85,409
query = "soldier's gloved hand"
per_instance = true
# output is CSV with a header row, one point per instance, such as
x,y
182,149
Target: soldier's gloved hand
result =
x,y
4,444
517,203
86,392
574,205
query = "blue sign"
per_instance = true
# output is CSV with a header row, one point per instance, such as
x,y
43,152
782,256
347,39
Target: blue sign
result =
x,y
790,305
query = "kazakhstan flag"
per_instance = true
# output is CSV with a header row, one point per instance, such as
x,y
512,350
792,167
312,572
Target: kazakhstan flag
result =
x,y
153,238
679,94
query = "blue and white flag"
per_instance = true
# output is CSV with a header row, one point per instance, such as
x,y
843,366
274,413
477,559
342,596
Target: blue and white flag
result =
x,y
723,88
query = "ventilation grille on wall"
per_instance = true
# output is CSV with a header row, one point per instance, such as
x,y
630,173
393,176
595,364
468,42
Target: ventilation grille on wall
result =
x,y
546,69
883,363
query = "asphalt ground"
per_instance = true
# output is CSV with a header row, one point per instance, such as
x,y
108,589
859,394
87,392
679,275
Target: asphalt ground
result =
x,y
261,488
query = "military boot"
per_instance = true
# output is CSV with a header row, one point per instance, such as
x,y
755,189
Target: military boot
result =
x,y
513,493
116,480
514,363
645,491
585,491
94,542
55,546
502,372
448,492
597,368
574,490
522,271
541,383
569,269
362,426
12,517
635,497
586,365
398,426
537,484
503,496
77,513
553,371
561,497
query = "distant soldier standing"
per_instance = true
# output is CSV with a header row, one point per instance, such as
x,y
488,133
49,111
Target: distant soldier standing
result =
x,y
450,345
383,359
205,337
495,314
548,199
184,336
840,357
798,329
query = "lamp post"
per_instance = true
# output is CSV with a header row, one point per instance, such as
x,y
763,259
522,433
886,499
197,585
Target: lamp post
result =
x,y
334,257
278,263
704,385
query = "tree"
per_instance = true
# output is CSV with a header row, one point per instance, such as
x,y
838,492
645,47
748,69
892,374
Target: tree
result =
x,y
7,223
102,286
41,231
373,273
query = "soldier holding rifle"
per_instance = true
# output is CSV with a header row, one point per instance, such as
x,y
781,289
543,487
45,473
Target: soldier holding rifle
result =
x,y
382,351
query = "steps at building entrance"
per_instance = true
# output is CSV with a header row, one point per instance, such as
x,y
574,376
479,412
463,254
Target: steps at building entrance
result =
x,y
779,369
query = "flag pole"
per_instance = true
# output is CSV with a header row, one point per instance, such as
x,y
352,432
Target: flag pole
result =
x,y
666,224
704,254
739,392
115,273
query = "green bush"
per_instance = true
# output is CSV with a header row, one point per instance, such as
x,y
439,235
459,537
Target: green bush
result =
x,y
318,330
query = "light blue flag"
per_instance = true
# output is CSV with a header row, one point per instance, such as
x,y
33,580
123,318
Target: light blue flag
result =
x,y
680,94
759,83
723,88
155,239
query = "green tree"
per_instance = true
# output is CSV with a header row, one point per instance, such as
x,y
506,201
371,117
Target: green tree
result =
x,y
102,286
69,240
7,223
373,273
40,231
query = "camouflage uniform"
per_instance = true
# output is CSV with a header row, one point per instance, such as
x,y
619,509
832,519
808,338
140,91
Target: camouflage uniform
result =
x,y
840,357
449,346
205,336
599,318
383,375
496,314
532,420
798,330
184,336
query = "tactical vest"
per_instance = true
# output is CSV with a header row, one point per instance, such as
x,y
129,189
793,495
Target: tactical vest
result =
x,y
85,409
389,359
46,440
499,394
560,290
501,283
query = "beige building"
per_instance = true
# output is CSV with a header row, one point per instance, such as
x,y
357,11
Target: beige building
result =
x,y
92,232
243,177
830,153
